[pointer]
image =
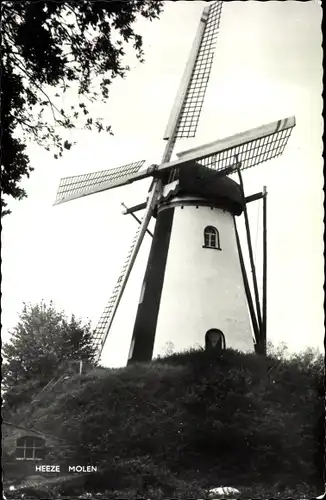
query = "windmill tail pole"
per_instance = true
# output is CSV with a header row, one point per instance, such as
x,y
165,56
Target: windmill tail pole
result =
x,y
247,289
251,257
264,299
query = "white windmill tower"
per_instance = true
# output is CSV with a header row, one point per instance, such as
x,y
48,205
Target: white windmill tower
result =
x,y
195,282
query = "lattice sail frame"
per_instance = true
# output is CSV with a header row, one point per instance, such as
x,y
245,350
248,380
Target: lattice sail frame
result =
x,y
101,331
251,148
80,185
190,113
251,153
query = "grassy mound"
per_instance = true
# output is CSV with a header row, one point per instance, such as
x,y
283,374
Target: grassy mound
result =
x,y
187,422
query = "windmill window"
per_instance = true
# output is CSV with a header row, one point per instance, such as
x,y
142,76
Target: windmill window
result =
x,y
30,448
211,238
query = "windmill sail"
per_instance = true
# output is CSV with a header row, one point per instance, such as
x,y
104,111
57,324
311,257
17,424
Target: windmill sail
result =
x,y
192,106
71,188
106,318
105,322
186,111
252,147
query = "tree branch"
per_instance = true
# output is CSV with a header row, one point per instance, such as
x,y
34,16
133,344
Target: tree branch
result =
x,y
32,80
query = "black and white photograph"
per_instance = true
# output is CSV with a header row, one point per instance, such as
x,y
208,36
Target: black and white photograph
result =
x,y
162,267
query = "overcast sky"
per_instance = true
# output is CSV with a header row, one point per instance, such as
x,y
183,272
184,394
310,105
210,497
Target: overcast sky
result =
x,y
268,66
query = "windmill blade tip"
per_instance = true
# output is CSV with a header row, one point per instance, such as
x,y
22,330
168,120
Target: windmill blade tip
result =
x,y
291,120
58,202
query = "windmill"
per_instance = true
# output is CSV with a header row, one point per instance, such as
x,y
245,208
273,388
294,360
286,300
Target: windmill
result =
x,y
195,282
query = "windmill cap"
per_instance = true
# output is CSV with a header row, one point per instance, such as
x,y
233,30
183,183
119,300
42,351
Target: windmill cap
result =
x,y
220,191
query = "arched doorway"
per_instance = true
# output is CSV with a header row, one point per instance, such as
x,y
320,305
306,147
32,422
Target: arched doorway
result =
x,y
214,339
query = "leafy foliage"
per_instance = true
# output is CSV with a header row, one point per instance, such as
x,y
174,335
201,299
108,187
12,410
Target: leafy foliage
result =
x,y
41,341
184,423
47,48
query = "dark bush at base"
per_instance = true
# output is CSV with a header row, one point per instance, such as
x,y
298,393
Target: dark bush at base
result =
x,y
196,419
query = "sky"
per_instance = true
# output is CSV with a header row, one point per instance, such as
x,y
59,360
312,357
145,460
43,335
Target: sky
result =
x,y
268,65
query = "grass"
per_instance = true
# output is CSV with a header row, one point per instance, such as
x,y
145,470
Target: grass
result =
x,y
185,423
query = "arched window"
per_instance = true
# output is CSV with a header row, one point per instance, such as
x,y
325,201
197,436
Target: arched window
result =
x,y
30,448
211,238
214,340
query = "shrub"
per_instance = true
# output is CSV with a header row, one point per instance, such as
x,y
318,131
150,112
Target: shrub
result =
x,y
195,418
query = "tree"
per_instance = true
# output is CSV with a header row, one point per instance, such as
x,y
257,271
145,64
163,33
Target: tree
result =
x,y
47,48
41,341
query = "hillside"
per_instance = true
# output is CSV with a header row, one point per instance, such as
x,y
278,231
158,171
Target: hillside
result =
x,y
191,421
